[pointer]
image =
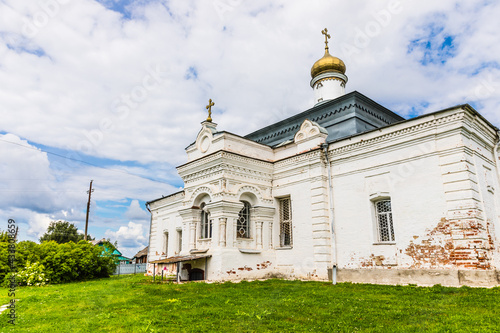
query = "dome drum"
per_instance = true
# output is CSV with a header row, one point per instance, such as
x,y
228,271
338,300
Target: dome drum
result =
x,y
329,74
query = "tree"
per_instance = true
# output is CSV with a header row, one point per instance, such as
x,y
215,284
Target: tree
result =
x,y
62,232
4,236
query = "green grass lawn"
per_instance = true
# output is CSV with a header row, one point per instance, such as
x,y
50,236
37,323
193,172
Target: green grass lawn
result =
x,y
134,304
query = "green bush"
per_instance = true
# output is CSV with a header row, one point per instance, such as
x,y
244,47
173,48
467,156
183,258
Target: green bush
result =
x,y
61,262
32,275
74,262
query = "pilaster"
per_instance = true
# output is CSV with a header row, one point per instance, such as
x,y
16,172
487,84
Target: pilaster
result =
x,y
191,217
222,231
229,211
464,224
263,216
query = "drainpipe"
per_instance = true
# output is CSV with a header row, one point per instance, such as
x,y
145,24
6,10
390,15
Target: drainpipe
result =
x,y
332,217
149,241
495,153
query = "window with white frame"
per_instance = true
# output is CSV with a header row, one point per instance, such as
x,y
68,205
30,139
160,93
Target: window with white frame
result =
x,y
206,223
165,243
385,227
243,223
179,241
285,222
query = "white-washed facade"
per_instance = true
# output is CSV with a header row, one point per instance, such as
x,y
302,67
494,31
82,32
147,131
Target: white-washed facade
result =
x,y
416,201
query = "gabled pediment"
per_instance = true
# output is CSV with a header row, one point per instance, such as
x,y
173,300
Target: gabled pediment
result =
x,y
309,130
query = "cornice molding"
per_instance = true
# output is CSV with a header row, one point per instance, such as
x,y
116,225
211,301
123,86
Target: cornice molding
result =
x,y
395,134
171,199
222,154
324,115
311,155
217,171
328,79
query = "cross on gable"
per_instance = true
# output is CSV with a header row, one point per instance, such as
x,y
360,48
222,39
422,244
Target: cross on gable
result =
x,y
209,108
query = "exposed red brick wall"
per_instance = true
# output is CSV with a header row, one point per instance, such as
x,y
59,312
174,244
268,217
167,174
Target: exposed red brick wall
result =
x,y
458,243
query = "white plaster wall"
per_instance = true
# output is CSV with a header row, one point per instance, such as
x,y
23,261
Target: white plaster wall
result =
x,y
297,260
298,178
417,201
165,218
231,264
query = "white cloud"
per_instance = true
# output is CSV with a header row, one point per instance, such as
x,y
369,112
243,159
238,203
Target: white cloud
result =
x,y
131,238
135,212
95,84
38,224
26,178
37,189
132,90
31,225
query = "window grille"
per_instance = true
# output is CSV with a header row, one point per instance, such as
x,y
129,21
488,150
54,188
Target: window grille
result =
x,y
384,221
206,223
243,223
285,222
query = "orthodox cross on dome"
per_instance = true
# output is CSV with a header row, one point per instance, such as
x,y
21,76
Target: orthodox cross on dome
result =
x,y
209,108
327,36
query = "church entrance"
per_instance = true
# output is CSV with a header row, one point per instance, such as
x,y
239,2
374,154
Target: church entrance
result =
x,y
196,274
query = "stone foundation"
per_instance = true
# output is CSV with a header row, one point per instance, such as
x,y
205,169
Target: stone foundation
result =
x,y
421,277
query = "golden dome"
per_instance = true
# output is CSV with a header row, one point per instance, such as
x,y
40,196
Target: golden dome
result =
x,y
328,63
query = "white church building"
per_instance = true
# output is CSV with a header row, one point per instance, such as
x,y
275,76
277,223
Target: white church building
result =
x,y
344,191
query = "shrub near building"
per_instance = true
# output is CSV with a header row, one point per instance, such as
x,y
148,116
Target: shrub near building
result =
x,y
74,262
58,263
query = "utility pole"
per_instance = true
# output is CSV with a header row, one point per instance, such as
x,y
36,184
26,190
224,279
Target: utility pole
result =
x,y
88,208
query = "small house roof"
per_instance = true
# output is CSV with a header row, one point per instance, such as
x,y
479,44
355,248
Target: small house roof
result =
x,y
142,253
98,241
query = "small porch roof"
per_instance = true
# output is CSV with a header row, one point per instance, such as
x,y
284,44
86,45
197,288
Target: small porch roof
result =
x,y
173,260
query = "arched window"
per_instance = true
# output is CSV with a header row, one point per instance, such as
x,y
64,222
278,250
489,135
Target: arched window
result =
x,y
206,223
243,224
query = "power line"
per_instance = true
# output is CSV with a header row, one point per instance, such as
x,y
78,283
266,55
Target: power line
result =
x,y
84,162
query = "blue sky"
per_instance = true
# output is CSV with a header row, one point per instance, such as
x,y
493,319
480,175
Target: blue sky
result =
x,y
113,91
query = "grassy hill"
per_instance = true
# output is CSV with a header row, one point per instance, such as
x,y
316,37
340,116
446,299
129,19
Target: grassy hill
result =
x,y
135,304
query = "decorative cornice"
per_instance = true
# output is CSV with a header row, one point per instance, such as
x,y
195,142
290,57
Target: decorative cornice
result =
x,y
286,130
154,204
221,154
398,133
328,79
318,111
264,212
330,75
222,206
294,160
318,118
236,196
216,171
